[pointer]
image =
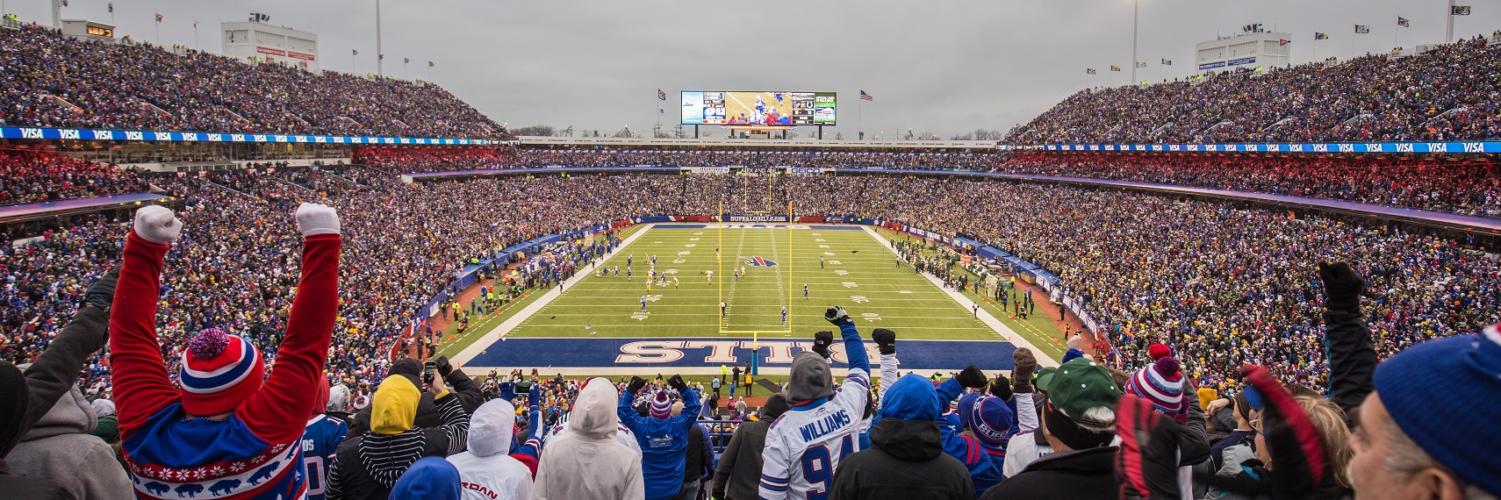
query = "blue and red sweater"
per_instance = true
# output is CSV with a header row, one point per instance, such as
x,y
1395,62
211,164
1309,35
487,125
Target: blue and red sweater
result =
x,y
255,452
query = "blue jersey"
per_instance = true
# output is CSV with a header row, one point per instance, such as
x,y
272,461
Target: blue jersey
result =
x,y
319,441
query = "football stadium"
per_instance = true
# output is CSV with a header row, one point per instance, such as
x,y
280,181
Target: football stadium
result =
x,y
370,250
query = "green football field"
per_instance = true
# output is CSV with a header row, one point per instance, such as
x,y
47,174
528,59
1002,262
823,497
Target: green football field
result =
x,y
844,266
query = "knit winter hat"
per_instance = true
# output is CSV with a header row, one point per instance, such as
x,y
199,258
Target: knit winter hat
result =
x,y
1161,383
990,422
219,371
1158,351
1446,423
661,405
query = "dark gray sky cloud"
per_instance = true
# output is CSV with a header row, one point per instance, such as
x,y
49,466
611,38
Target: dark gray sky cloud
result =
x,y
946,66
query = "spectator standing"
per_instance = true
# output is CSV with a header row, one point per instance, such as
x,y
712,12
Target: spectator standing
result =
x,y
907,460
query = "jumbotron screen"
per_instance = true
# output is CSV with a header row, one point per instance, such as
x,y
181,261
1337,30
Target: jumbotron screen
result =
x,y
777,108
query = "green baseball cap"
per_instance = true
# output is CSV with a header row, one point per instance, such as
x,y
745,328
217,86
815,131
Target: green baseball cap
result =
x,y
1081,384
1044,376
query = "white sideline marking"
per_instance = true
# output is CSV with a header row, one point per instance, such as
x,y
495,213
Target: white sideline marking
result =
x,y
500,331
985,317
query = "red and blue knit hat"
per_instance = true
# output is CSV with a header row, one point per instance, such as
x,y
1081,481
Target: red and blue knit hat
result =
x,y
661,405
219,371
1453,425
1160,383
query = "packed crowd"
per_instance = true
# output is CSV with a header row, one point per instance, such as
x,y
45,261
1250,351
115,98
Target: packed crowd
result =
x,y
480,158
48,79
35,175
1462,186
220,425
1447,93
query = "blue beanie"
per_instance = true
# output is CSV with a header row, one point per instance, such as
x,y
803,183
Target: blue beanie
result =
x,y
1447,423
430,478
992,422
966,407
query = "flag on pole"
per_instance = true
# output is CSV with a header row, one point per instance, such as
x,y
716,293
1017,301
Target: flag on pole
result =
x,y
381,57
1362,29
111,7
1089,71
1283,41
354,52
1114,67
1320,36
866,97
1403,22
1167,62
1459,10
661,96
406,60
1141,64
158,18
429,64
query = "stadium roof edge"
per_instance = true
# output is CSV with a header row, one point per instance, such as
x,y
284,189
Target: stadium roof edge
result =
x,y
749,143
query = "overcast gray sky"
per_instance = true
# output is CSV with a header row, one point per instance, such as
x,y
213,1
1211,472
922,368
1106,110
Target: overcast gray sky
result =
x,y
946,66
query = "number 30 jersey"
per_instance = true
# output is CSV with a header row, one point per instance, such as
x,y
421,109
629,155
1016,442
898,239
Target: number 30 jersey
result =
x,y
804,445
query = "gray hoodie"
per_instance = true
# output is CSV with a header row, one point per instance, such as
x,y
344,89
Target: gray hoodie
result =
x,y
60,448
587,463
487,471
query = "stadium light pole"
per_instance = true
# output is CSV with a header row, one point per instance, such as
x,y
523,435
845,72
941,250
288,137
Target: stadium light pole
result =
x,y
1135,29
379,54
1449,22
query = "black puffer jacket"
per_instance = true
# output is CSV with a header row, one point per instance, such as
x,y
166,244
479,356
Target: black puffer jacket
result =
x,y
907,462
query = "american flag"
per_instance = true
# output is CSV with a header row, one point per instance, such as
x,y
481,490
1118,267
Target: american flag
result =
x,y
866,97
158,18
661,96
1404,22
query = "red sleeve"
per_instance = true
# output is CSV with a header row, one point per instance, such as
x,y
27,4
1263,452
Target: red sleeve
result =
x,y
278,412
141,384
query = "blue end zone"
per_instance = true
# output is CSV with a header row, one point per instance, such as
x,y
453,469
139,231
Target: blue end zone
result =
x,y
713,352
835,228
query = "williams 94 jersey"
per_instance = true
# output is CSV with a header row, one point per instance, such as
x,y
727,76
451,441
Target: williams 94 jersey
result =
x,y
804,445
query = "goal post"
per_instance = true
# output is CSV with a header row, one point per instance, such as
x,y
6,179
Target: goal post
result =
x,y
783,268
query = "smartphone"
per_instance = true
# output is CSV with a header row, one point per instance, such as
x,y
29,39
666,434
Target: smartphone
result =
x,y
429,371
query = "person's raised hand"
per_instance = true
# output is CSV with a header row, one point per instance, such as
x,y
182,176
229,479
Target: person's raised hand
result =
x,y
157,224
313,219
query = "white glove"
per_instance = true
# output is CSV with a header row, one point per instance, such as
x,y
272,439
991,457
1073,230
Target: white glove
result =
x,y
157,224
313,218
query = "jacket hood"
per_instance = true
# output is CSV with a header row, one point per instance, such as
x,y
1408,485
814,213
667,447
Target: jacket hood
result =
x,y
908,440
14,398
430,478
394,408
593,414
911,398
491,427
72,414
810,378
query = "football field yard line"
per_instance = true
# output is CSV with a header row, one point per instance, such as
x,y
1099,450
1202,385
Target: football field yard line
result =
x,y
984,315
526,313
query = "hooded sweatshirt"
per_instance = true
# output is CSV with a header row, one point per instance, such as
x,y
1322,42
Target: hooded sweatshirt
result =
x,y
13,409
368,466
587,463
60,448
664,443
487,471
907,460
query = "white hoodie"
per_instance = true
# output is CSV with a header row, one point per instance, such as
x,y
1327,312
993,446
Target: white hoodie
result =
x,y
587,463
487,471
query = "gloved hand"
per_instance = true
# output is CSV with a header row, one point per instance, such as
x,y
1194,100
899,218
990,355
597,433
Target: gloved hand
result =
x,y
636,384
1342,287
1021,374
837,316
443,366
101,294
1147,463
1302,465
313,218
885,340
821,342
676,382
157,224
1001,388
534,396
971,377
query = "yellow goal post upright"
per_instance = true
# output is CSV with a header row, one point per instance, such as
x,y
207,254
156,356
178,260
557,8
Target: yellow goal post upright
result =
x,y
784,263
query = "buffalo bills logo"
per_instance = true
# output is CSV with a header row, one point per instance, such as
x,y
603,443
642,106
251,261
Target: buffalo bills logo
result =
x,y
759,262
